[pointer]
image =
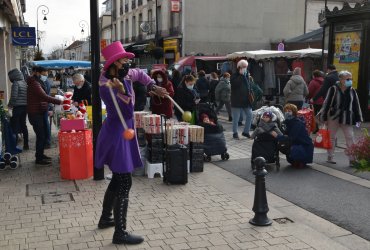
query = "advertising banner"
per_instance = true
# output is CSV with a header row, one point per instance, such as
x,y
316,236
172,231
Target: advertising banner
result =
x,y
23,36
347,53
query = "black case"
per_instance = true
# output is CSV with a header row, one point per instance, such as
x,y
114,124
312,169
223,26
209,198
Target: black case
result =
x,y
175,165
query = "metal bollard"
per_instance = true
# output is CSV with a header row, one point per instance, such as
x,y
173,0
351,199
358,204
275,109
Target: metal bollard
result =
x,y
260,206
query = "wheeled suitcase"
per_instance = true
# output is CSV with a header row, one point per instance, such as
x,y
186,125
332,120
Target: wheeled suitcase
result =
x,y
175,166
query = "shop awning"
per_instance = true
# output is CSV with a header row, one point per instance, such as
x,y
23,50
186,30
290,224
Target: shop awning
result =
x,y
61,64
264,54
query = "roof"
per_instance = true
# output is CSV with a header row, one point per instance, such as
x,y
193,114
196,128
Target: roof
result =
x,y
75,44
315,35
263,54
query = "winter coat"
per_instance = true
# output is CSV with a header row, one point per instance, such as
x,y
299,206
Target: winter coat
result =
x,y
240,88
341,106
162,106
140,96
223,90
301,148
37,98
258,94
19,88
202,86
329,81
212,87
185,98
295,89
314,87
82,94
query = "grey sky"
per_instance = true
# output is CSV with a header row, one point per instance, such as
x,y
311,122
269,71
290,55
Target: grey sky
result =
x,y
63,20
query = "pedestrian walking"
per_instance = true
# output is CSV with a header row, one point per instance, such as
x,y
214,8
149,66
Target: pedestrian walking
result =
x,y
341,110
296,90
18,102
240,92
120,154
330,80
202,85
212,88
313,88
37,105
223,94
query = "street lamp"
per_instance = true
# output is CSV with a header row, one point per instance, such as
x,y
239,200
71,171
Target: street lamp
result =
x,y
45,11
84,24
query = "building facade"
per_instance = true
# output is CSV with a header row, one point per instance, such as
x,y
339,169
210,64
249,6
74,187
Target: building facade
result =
x,y
11,15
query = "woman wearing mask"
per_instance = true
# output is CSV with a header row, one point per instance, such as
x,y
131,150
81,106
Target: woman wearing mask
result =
x,y
341,109
301,147
240,90
186,96
120,154
160,105
296,89
223,94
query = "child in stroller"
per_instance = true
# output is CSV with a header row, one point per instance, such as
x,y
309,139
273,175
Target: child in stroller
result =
x,y
214,138
265,145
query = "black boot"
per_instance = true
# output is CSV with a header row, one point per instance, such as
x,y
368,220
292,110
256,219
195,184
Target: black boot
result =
x,y
121,236
108,203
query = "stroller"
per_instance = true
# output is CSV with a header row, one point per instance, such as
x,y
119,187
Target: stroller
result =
x,y
265,145
214,138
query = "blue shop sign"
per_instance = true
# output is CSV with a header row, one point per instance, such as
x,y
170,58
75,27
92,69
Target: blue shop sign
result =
x,y
23,36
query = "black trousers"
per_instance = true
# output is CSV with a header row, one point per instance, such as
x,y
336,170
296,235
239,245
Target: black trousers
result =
x,y
120,185
38,124
18,123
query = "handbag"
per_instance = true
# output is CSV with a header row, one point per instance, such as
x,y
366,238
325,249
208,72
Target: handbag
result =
x,y
322,139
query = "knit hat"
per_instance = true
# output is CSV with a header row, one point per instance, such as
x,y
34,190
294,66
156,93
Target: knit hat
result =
x,y
113,52
268,114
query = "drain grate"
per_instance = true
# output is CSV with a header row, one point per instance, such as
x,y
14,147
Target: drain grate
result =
x,y
283,220
56,198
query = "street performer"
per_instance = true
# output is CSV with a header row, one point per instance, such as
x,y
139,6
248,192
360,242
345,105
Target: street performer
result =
x,y
120,154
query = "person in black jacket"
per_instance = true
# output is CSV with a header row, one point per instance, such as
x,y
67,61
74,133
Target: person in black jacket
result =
x,y
186,96
330,80
240,89
81,90
202,86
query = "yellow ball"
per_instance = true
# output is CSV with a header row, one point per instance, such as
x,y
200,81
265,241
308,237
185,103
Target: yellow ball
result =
x,y
186,116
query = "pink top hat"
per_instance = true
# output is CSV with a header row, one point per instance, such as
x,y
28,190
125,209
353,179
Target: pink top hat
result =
x,y
113,52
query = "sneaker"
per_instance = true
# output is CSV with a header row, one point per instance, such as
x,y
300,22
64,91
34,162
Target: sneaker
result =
x,y
236,136
43,162
240,123
330,160
246,135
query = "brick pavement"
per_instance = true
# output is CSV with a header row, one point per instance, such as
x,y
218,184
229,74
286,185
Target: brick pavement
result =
x,y
41,211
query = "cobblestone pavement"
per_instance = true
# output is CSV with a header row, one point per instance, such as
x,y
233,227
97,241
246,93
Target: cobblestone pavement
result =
x,y
41,211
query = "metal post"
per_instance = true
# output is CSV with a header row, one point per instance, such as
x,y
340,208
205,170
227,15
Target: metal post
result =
x,y
156,23
323,38
95,72
45,11
260,206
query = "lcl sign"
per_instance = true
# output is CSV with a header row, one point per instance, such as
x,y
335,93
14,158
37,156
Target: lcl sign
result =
x,y
23,36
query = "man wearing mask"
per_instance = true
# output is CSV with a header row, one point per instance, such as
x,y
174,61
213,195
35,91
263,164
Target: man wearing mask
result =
x,y
81,90
37,106
240,89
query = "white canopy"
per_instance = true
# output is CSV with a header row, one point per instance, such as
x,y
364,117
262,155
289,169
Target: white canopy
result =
x,y
263,54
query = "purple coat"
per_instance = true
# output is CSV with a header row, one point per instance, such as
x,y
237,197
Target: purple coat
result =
x,y
121,155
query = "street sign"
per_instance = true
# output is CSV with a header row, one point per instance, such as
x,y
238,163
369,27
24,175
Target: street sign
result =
x,y
23,36
175,6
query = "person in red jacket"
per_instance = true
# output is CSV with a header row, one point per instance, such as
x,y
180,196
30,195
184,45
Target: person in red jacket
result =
x,y
37,105
162,105
313,88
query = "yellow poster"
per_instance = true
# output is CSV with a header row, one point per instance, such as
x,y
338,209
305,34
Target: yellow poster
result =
x,y
347,53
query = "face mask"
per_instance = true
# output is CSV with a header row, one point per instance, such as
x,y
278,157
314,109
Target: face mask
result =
x,y
288,115
122,72
43,78
190,86
243,71
79,87
348,83
159,79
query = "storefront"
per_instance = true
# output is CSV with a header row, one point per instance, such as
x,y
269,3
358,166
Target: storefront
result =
x,y
346,32
171,50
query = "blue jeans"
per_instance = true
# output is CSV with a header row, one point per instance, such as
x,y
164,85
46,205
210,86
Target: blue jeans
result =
x,y
236,115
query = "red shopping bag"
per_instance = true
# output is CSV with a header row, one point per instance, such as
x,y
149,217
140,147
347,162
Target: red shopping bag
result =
x,y
322,139
308,115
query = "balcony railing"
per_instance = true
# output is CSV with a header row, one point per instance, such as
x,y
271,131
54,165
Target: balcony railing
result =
x,y
126,7
139,2
133,4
